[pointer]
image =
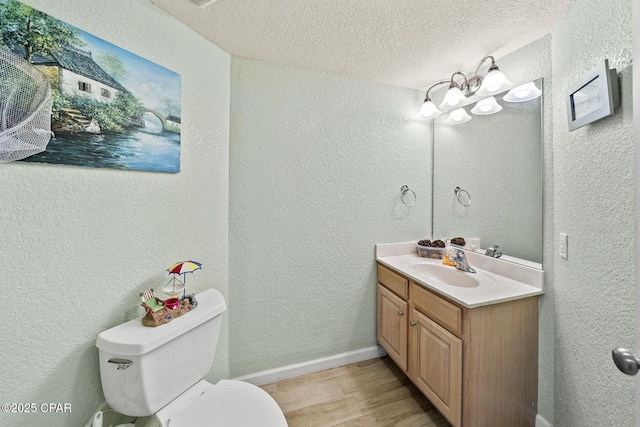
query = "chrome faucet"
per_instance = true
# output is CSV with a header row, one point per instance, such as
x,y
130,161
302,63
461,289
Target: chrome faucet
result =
x,y
461,261
492,252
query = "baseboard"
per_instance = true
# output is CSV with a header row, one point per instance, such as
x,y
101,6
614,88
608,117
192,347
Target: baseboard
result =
x,y
298,369
541,422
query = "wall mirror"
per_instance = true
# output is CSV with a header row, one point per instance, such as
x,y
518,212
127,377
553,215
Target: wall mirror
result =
x,y
495,161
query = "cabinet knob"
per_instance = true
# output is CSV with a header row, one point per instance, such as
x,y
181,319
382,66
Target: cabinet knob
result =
x,y
400,313
412,323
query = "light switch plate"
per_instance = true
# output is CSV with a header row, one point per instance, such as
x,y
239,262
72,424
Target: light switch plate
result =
x,y
563,246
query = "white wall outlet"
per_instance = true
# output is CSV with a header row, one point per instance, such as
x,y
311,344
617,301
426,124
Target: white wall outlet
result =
x,y
563,246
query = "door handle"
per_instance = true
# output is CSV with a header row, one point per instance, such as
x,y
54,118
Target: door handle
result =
x,y
625,361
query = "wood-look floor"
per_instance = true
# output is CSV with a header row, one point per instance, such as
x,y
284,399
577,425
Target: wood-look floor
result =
x,y
366,394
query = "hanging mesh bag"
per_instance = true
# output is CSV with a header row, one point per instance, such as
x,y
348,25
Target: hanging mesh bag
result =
x,y
25,108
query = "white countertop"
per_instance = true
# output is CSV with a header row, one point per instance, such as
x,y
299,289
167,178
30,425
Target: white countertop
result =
x,y
498,280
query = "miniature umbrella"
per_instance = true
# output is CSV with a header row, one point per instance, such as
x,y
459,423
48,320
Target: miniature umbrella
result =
x,y
184,267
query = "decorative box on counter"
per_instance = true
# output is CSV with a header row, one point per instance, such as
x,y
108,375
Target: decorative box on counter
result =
x,y
430,252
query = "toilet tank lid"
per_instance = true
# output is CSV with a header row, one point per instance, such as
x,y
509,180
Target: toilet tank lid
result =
x,y
134,339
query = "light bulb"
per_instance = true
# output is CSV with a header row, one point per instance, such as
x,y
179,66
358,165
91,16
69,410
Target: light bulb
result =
x,y
454,98
494,82
429,110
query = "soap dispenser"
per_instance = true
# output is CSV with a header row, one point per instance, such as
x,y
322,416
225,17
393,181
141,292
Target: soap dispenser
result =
x,y
449,253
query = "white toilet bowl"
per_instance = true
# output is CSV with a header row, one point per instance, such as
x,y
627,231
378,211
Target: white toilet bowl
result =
x,y
227,403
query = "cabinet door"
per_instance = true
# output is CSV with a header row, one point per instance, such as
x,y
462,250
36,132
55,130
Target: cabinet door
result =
x,y
436,365
392,325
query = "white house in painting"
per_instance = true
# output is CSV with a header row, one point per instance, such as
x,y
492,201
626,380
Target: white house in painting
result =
x,y
76,73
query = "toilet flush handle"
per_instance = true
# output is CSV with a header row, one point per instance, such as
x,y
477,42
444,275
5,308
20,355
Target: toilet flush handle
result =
x,y
122,363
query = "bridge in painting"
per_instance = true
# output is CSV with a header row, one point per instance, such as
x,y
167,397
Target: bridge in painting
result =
x,y
159,115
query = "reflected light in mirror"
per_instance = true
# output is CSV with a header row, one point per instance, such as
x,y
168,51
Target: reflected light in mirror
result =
x,y
486,106
523,93
458,116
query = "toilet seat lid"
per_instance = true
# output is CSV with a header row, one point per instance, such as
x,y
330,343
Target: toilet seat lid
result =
x,y
231,403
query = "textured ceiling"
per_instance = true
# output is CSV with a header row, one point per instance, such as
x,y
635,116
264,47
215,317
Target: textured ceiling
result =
x,y
410,43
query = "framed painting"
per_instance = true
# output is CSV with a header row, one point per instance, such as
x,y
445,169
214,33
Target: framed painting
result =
x,y
111,108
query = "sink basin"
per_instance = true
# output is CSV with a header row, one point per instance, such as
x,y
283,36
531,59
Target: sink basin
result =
x,y
450,276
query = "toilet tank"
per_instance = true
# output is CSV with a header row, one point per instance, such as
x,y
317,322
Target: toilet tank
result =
x,y
165,360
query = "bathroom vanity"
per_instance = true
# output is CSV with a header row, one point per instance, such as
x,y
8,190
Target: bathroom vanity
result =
x,y
468,342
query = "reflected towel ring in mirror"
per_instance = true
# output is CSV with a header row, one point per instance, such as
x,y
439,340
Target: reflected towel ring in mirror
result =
x,y
463,196
406,195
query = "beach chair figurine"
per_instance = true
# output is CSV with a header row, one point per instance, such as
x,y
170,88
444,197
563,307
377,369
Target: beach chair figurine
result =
x,y
159,313
150,302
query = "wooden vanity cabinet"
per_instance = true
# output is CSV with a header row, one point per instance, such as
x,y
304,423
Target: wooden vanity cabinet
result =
x,y
435,353
477,366
393,312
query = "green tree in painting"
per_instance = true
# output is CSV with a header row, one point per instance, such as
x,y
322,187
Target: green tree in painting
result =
x,y
22,27
113,65
125,111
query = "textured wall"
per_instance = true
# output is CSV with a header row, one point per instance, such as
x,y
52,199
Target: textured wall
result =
x,y
317,162
593,187
78,244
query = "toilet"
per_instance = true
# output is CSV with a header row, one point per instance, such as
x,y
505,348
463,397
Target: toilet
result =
x,y
159,371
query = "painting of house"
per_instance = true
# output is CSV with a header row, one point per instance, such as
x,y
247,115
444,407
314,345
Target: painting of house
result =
x,y
111,108
73,72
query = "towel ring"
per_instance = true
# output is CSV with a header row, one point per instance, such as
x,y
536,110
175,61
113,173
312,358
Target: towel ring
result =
x,y
459,193
404,190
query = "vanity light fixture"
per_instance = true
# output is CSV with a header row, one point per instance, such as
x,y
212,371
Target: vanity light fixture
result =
x,y
457,117
493,83
486,106
523,93
454,98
